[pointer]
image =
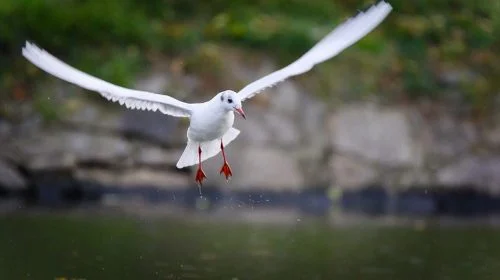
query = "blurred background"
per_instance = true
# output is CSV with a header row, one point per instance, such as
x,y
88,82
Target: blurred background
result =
x,y
383,162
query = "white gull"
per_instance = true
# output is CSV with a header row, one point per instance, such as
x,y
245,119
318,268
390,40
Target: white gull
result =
x,y
211,122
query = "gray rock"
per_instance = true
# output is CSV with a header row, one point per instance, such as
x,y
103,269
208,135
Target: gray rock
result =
x,y
313,150
396,179
87,147
39,144
311,120
491,131
10,152
415,178
255,168
111,117
156,156
135,178
48,162
480,171
10,178
349,173
191,85
265,127
154,126
492,136
156,81
449,138
286,98
379,135
284,131
269,168
87,114
5,129
253,129
29,124
59,149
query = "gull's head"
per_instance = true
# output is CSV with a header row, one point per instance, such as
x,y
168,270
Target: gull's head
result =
x,y
230,101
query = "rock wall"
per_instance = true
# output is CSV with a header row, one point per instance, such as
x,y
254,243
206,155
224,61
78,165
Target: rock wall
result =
x,y
400,148
290,140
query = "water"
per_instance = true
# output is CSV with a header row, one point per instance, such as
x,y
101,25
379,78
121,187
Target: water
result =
x,y
97,246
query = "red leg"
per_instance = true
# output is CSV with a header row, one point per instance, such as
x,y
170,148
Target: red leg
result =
x,y
225,167
200,175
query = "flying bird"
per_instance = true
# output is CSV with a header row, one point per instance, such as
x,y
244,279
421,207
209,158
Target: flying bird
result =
x,y
211,122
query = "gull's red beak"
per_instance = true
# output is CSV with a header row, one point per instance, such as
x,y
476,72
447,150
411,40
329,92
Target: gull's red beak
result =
x,y
241,112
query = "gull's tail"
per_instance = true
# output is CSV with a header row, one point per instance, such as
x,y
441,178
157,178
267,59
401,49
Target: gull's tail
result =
x,y
208,149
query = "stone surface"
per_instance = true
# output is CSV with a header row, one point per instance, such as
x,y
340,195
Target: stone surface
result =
x,y
449,137
264,127
415,178
10,178
155,81
83,113
84,147
479,171
88,147
312,120
5,129
153,126
491,131
286,98
254,168
313,150
252,130
155,156
348,173
492,136
141,177
10,152
111,117
268,168
288,140
283,130
49,162
378,135
86,112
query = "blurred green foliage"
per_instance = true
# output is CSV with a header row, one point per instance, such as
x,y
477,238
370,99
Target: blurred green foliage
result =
x,y
405,58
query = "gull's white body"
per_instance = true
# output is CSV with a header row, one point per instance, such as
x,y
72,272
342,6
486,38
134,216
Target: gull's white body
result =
x,y
212,121
208,122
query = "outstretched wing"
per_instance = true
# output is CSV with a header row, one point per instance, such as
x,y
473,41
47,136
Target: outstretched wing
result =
x,y
134,99
336,41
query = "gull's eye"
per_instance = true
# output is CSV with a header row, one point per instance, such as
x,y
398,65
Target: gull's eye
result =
x,y
229,100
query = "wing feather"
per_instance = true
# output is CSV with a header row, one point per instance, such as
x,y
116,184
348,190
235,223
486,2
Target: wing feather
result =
x,y
332,44
133,99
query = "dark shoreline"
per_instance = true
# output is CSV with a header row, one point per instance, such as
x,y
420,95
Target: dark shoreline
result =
x,y
372,201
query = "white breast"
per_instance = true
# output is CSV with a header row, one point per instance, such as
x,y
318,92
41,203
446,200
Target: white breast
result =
x,y
207,125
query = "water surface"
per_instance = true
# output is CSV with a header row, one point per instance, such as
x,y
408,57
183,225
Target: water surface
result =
x,y
62,245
